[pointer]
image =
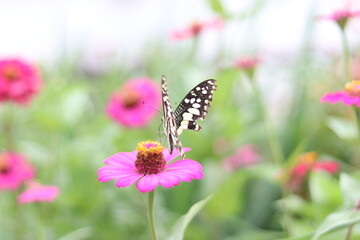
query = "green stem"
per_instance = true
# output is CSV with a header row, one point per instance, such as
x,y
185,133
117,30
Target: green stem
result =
x,y
40,222
346,56
273,139
151,215
8,129
357,119
349,231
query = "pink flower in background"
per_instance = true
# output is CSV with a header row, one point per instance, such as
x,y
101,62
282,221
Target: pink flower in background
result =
x,y
341,17
244,156
135,104
149,167
37,192
246,63
19,81
306,163
349,96
14,170
196,28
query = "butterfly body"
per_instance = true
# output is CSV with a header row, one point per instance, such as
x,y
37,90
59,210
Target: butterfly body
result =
x,y
194,106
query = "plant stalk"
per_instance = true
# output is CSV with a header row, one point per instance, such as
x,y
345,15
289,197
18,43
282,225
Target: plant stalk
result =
x,y
346,56
273,139
151,214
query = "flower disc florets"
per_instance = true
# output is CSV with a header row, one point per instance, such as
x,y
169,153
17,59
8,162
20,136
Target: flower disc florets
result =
x,y
353,88
150,157
4,164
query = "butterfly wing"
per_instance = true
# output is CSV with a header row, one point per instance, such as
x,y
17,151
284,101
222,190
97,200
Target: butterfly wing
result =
x,y
169,122
194,106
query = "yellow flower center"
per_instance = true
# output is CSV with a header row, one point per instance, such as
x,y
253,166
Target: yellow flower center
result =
x,y
353,88
150,158
4,164
11,73
308,158
196,27
129,98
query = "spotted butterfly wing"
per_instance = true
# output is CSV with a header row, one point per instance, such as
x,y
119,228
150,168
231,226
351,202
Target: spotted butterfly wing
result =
x,y
194,106
169,121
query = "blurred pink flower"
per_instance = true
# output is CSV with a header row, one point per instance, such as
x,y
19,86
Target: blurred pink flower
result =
x,y
135,104
349,96
341,17
244,156
149,166
196,28
307,162
19,81
246,63
14,170
37,192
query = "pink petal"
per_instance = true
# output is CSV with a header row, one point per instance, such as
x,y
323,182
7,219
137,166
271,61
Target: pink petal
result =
x,y
148,183
108,173
126,180
169,157
122,159
341,96
328,166
185,169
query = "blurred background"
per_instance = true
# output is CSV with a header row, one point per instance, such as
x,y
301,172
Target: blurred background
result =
x,y
87,51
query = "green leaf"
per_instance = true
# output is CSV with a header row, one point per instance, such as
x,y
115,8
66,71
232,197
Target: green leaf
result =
x,y
216,6
81,233
325,191
346,216
350,189
337,220
344,129
228,199
180,226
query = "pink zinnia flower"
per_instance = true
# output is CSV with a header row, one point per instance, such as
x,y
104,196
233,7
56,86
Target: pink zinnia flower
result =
x,y
244,156
299,173
37,192
134,104
19,81
246,63
14,170
341,17
148,167
196,28
349,96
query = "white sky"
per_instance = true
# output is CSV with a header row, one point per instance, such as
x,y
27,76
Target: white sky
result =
x,y
42,29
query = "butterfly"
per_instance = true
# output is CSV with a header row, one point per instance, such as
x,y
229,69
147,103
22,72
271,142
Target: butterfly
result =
x,y
194,106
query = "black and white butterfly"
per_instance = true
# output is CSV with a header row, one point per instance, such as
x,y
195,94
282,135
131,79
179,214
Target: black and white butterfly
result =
x,y
194,106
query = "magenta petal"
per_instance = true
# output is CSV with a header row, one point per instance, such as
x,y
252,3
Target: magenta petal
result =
x,y
186,169
169,180
169,157
126,180
341,96
122,158
148,183
108,173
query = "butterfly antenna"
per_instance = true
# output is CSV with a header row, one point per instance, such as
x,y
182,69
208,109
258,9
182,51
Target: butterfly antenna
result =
x,y
145,104
159,132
